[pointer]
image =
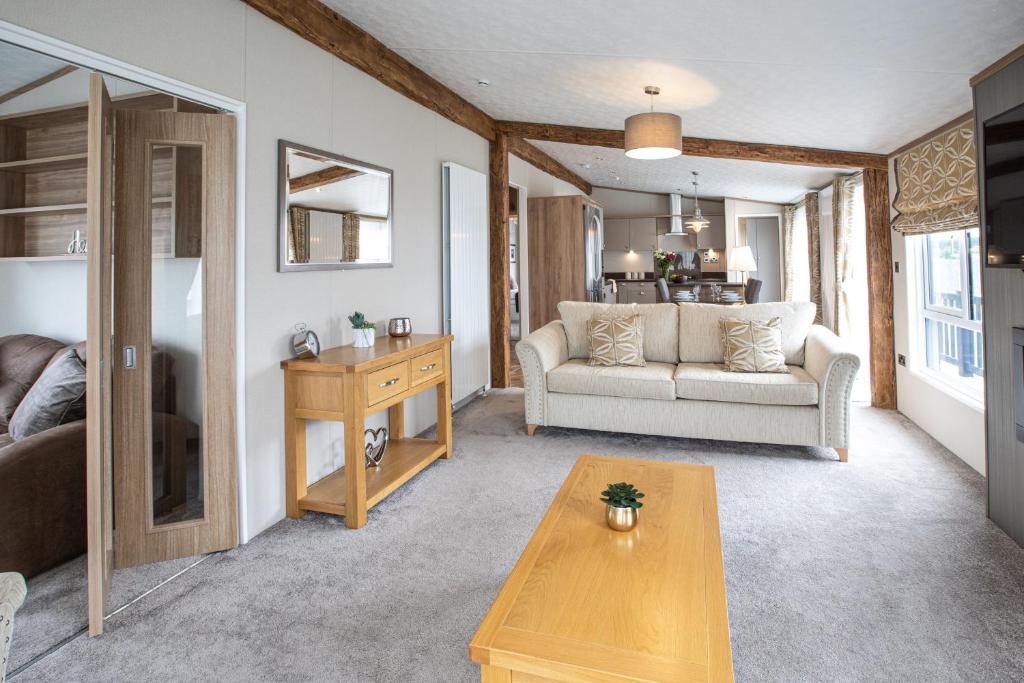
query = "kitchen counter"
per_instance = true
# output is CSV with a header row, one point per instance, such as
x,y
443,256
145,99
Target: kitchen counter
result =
x,y
688,283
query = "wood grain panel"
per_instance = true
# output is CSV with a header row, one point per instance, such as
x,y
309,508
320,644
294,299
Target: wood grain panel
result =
x,y
138,541
501,322
334,33
12,192
879,258
99,463
700,147
1003,294
537,157
317,392
556,257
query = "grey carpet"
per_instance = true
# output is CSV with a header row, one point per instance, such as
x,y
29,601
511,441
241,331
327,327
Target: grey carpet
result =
x,y
57,605
882,569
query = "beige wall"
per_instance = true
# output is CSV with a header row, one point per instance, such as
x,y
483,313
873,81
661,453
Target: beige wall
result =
x,y
295,91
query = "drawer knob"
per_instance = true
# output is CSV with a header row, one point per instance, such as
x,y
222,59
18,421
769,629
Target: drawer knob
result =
x,y
425,368
393,380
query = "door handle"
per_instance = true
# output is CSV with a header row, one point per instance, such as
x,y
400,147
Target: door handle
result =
x,y
129,357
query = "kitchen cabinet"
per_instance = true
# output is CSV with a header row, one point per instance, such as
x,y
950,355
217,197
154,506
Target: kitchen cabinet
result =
x,y
616,234
713,236
643,234
637,293
630,234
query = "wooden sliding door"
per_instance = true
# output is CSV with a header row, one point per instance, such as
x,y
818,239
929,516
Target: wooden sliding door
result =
x,y
161,358
174,382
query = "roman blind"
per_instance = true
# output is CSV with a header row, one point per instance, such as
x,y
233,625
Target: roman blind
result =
x,y
937,184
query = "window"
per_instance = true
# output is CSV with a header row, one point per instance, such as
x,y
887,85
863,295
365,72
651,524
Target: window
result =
x,y
800,264
951,308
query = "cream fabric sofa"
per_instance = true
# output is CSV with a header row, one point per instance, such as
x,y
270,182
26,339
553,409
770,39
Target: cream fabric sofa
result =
x,y
684,390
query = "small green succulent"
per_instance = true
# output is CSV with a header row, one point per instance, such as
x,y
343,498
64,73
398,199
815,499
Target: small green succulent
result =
x,y
359,322
622,495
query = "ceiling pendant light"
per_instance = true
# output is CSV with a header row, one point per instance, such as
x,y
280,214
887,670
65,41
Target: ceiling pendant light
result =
x,y
698,222
654,135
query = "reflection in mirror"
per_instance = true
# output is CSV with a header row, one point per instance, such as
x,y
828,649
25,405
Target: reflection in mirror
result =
x,y
335,212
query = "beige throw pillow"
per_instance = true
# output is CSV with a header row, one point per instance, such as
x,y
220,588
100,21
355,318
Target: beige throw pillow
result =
x,y
753,345
617,341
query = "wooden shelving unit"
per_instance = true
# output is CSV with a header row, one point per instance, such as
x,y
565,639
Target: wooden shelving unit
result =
x,y
43,159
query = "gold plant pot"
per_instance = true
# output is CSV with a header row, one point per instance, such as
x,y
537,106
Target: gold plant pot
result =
x,y
621,519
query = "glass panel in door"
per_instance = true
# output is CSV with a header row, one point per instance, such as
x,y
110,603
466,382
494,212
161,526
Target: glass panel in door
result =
x,y
177,472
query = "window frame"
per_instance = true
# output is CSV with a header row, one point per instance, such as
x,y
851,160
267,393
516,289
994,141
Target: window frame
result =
x,y
925,310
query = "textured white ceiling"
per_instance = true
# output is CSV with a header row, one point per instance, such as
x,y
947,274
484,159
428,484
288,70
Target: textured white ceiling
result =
x,y
19,66
867,75
776,183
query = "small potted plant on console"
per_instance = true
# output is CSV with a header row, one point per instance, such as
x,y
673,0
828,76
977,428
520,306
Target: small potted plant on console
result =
x,y
623,507
364,329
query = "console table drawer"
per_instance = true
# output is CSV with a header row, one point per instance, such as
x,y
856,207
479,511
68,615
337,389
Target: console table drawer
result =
x,y
386,382
427,366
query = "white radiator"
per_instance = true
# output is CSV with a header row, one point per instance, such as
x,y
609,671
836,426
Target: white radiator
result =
x,y
466,288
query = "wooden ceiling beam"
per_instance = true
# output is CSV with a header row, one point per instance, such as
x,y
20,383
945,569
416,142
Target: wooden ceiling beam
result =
x,y
28,87
320,178
332,32
700,147
537,157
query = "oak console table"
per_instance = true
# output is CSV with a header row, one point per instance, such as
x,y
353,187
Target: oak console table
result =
x,y
346,384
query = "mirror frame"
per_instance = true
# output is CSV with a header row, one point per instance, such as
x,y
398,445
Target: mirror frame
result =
x,y
283,265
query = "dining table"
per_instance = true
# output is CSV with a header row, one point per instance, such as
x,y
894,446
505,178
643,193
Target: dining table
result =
x,y
708,298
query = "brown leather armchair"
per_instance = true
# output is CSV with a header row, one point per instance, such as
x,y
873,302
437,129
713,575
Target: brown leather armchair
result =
x,y
42,477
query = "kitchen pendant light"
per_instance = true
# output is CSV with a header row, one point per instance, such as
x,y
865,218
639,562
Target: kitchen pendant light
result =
x,y
698,222
654,135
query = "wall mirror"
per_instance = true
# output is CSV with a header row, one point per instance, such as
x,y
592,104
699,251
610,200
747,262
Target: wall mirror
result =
x,y
335,212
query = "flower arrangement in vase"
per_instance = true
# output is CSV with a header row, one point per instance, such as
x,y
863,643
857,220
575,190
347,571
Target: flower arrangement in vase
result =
x,y
365,330
665,260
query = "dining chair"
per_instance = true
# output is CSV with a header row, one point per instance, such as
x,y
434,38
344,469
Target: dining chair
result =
x,y
751,291
663,290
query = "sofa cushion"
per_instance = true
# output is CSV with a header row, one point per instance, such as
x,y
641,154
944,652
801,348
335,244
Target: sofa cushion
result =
x,y
617,341
661,332
711,382
700,333
576,377
22,359
58,396
753,345
575,316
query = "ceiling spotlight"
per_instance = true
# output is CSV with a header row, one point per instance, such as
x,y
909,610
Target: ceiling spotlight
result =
x,y
483,82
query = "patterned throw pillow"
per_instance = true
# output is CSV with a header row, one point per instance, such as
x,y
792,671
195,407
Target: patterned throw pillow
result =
x,y
617,341
753,345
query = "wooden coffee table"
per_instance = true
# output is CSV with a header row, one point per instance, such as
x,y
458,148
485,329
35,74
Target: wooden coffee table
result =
x,y
585,603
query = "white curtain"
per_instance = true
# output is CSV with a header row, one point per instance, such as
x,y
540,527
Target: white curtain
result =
x,y
797,254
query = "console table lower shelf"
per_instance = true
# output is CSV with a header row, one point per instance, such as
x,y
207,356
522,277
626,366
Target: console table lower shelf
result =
x,y
404,460
347,384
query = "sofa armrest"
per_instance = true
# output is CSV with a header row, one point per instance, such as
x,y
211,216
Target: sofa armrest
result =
x,y
42,499
829,360
543,350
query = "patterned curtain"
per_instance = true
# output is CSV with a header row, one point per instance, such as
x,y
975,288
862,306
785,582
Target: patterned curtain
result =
x,y
937,184
842,229
814,251
298,234
350,237
787,251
